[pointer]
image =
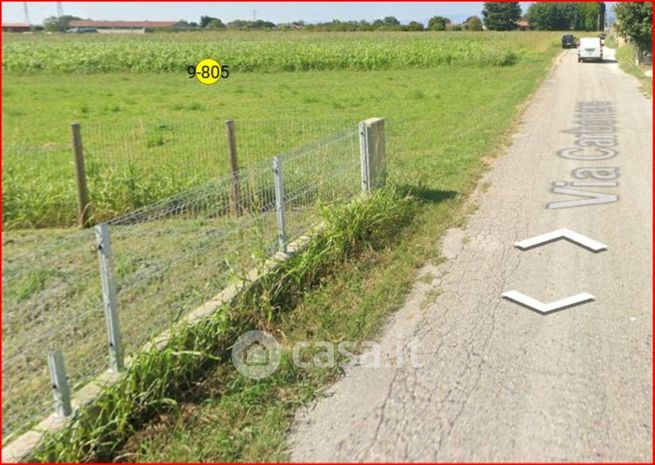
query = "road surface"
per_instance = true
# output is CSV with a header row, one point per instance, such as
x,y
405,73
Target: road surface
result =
x,y
495,380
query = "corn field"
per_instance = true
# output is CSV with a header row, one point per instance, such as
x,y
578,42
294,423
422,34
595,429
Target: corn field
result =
x,y
269,52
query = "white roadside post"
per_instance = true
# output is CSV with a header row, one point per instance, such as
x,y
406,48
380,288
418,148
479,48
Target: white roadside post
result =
x,y
372,142
105,257
60,389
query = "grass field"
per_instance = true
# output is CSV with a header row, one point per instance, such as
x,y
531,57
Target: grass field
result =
x,y
443,116
143,127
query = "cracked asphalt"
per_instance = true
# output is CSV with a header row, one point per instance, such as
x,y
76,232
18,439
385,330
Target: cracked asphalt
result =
x,y
496,381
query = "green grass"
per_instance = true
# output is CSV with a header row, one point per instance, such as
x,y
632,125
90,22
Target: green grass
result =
x,y
148,136
165,264
157,378
441,121
625,55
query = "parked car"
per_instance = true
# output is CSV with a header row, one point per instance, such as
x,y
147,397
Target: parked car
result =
x,y
568,41
591,48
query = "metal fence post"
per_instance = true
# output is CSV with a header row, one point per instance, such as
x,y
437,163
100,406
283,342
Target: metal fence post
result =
x,y
105,257
84,205
372,143
279,204
235,188
60,389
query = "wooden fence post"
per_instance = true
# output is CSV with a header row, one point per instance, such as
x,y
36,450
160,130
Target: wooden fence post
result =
x,y
84,206
235,189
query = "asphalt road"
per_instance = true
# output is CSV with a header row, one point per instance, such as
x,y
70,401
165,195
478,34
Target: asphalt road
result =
x,y
497,381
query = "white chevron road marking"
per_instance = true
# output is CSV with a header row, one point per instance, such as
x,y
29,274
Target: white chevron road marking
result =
x,y
534,304
564,233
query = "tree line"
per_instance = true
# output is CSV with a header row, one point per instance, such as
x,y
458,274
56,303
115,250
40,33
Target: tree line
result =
x,y
567,16
389,23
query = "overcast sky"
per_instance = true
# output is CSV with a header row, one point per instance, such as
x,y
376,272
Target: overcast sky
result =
x,y
276,12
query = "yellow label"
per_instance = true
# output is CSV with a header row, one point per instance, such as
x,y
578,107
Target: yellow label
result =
x,y
208,71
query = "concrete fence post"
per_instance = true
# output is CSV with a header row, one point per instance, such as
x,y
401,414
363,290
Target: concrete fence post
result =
x,y
106,259
372,140
60,389
279,204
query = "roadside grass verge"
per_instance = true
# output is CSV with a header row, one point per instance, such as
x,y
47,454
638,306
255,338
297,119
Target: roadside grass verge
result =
x,y
625,55
156,379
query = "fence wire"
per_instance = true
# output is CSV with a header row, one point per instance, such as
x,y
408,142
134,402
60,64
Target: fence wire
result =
x,y
169,257
132,165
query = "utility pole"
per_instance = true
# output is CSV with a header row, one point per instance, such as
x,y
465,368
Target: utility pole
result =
x,y
254,15
598,22
60,10
27,15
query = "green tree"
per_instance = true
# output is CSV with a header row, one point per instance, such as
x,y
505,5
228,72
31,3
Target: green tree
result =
x,y
438,23
215,24
54,24
550,16
244,24
391,21
501,16
205,20
564,16
589,16
473,23
634,21
414,26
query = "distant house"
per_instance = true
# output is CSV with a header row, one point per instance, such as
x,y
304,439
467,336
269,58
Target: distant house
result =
x,y
523,24
123,27
16,27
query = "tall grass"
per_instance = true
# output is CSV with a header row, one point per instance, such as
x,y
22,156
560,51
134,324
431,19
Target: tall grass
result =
x,y
159,379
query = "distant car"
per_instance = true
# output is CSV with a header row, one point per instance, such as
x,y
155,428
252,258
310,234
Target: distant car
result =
x,y
590,49
568,41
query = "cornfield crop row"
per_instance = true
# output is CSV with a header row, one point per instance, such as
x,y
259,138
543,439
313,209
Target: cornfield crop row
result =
x,y
268,52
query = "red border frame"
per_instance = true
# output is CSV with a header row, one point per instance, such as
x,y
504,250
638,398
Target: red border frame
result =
x,y
394,1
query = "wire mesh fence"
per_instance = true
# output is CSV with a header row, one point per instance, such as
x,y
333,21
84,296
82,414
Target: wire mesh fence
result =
x,y
131,165
168,257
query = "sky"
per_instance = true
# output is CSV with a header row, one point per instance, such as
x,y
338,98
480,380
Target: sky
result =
x,y
275,12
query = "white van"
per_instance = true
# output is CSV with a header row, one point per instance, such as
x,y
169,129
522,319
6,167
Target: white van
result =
x,y
590,48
